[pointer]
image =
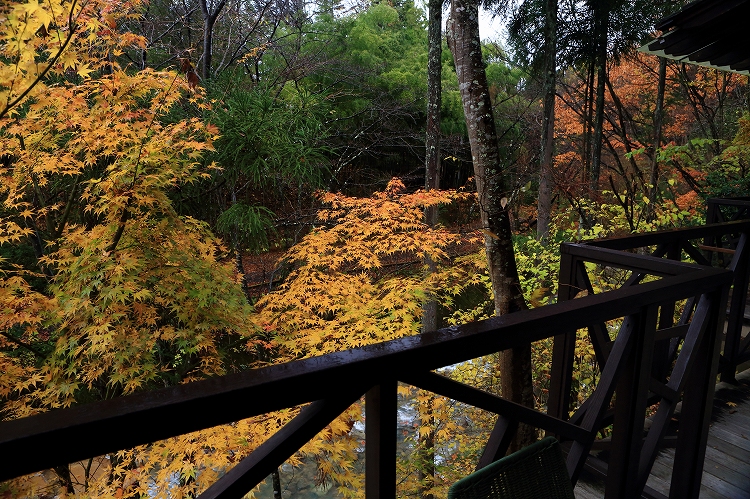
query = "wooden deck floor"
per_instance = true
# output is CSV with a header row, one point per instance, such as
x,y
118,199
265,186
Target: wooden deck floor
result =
x,y
726,469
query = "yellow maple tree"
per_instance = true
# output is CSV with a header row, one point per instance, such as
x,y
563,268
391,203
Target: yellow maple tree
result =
x,y
104,289
353,280
359,278
57,37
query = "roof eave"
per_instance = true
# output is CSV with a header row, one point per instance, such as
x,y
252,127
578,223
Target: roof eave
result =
x,y
686,59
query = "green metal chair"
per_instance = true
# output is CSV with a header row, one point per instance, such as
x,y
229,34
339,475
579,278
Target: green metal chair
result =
x,y
534,472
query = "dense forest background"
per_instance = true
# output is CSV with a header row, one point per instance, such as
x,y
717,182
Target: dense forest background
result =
x,y
197,187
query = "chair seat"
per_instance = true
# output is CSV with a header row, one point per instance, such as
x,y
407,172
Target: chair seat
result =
x,y
535,472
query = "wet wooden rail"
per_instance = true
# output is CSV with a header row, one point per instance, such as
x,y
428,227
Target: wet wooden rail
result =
x,y
655,361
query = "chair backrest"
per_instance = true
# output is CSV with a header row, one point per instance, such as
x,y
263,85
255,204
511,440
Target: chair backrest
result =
x,y
534,472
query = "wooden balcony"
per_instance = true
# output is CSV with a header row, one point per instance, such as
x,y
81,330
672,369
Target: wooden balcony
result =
x,y
662,362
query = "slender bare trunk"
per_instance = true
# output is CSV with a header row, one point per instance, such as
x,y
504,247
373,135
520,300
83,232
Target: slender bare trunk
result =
x,y
209,20
544,203
658,118
588,119
597,140
600,26
426,454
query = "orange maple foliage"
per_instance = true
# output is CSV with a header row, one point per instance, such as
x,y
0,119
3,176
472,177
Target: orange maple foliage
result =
x,y
114,292
57,37
693,104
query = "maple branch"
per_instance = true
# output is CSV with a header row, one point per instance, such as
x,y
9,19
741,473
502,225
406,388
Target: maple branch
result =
x,y
185,16
23,344
72,27
120,229
64,218
148,131
689,179
235,55
126,212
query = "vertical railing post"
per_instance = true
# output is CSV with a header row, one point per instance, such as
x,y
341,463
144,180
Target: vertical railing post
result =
x,y
499,441
662,359
630,409
736,309
563,349
697,405
380,441
713,215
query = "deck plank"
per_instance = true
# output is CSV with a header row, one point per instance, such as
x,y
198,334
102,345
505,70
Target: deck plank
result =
x,y
736,464
726,469
588,490
724,435
721,471
740,417
727,451
724,489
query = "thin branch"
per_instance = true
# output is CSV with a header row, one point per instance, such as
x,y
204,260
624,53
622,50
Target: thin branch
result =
x,y
40,76
23,344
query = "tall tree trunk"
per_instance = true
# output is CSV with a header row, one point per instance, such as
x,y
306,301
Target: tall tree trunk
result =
x,y
434,99
426,464
209,20
544,204
658,119
596,141
493,192
601,24
588,119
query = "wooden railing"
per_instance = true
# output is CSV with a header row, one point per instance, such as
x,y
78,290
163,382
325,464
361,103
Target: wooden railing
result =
x,y
719,210
632,367
665,360
722,245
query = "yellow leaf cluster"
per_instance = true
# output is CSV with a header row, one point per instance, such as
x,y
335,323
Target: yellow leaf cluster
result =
x,y
360,278
118,293
351,284
39,39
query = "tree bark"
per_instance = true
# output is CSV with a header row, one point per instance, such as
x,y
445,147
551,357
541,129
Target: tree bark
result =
x,y
276,478
588,120
209,20
601,24
493,193
544,203
434,99
658,118
426,457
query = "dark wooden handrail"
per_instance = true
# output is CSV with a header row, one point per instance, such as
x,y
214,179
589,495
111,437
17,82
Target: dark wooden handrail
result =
x,y
86,430
330,383
677,244
719,244
738,208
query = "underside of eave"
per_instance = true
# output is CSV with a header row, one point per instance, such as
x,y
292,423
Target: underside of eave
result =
x,y
709,33
687,60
